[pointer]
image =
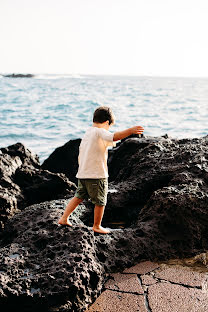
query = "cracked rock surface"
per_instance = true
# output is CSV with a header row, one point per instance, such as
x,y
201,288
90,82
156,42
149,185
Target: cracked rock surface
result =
x,y
156,294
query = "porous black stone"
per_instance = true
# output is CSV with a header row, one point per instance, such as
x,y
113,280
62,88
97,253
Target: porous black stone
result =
x,y
23,182
45,266
158,187
64,159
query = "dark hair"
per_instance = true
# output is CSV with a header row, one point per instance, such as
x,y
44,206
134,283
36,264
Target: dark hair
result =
x,y
102,114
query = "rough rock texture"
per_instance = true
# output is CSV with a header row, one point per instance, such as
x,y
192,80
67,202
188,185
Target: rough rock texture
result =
x,y
142,268
158,187
23,182
122,282
45,266
158,171
181,275
114,301
64,159
161,290
162,190
26,156
167,297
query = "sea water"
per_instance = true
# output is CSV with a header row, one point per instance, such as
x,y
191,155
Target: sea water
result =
x,y
46,111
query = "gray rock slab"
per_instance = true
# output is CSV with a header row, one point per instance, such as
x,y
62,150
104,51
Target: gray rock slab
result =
x,y
124,282
167,297
181,275
113,301
148,280
142,267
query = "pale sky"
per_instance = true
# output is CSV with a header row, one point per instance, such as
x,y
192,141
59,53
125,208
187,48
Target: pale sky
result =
x,y
112,37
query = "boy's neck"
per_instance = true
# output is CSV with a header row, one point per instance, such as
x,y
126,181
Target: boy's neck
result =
x,y
104,125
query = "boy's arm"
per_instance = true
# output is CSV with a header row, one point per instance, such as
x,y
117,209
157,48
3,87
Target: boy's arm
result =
x,y
125,133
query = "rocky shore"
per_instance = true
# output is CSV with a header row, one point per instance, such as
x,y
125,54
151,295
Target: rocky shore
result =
x,y
158,191
19,76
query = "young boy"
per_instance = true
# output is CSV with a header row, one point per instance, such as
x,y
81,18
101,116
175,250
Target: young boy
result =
x,y
93,171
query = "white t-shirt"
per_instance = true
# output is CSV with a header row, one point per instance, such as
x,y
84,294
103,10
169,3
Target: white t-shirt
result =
x,y
93,153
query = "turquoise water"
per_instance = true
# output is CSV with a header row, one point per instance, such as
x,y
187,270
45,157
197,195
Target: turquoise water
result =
x,y
46,111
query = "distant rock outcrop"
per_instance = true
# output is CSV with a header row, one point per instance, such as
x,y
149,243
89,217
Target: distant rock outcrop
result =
x,y
19,76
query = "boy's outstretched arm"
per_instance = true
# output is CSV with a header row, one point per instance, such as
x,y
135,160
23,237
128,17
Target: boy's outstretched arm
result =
x,y
125,133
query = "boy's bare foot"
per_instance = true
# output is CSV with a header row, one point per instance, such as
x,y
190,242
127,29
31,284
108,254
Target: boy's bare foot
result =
x,y
64,222
100,230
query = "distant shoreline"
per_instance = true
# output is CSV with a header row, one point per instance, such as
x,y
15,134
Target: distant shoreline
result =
x,y
80,75
19,76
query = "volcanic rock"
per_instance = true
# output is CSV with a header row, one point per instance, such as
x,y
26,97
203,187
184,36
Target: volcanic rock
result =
x,y
64,160
47,267
158,172
158,187
23,183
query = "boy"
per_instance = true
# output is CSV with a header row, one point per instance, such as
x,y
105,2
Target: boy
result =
x,y
93,171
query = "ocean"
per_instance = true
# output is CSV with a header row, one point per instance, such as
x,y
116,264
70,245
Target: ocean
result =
x,y
46,111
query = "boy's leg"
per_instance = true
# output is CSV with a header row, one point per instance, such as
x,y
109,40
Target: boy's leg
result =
x,y
72,204
98,215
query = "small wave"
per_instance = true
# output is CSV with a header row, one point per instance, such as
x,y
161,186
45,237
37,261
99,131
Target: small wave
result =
x,y
148,94
88,102
47,113
191,100
59,107
177,102
8,110
22,136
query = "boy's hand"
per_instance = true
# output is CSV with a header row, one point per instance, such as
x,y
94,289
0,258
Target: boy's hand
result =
x,y
125,133
137,130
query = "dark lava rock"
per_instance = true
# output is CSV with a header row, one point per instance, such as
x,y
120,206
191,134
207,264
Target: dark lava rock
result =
x,y
64,159
138,171
47,267
164,182
23,183
40,185
158,187
25,155
19,76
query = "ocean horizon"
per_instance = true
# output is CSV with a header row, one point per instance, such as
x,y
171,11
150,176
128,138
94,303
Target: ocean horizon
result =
x,y
46,111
